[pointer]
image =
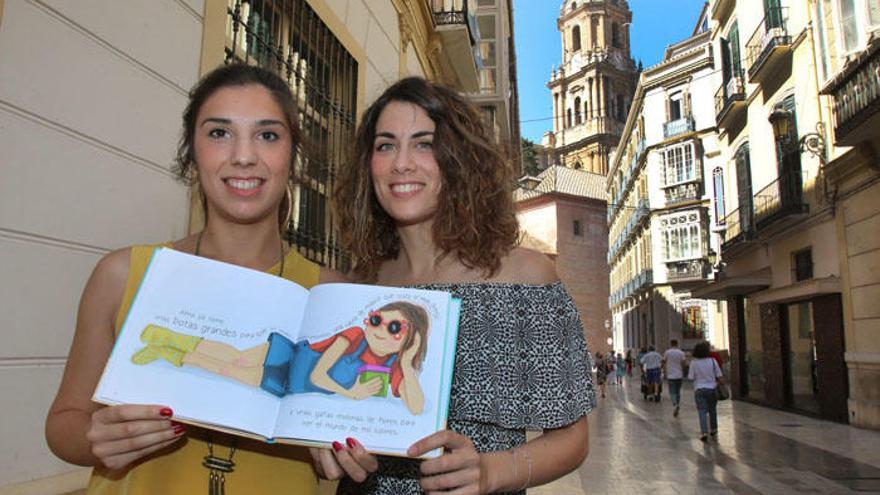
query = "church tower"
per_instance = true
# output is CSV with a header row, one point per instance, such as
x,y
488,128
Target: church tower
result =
x,y
592,89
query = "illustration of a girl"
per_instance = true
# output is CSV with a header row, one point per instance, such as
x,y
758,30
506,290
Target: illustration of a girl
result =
x,y
392,342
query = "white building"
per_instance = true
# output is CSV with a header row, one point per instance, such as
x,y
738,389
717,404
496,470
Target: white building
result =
x,y
662,203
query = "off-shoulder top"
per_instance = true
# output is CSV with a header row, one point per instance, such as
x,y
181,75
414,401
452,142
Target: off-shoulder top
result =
x,y
521,363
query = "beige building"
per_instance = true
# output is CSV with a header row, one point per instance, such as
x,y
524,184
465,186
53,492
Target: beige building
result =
x,y
562,214
592,88
800,271
662,204
91,97
845,33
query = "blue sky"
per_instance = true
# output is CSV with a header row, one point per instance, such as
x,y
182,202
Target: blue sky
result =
x,y
656,24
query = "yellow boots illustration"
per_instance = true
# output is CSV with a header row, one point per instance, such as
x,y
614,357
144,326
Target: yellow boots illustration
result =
x,y
165,344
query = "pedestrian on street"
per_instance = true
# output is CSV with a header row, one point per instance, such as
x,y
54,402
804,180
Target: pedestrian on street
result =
x,y
629,362
601,371
653,362
706,374
620,368
674,361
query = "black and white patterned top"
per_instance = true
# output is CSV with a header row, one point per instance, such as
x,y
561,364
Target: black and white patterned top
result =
x,y
521,363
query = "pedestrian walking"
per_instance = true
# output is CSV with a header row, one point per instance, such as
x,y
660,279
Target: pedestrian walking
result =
x,y
674,361
629,362
652,362
706,374
601,371
620,368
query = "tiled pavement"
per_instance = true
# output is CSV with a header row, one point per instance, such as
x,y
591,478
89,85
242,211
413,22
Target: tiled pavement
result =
x,y
638,447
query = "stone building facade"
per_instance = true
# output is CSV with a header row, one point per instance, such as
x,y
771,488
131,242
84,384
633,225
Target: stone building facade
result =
x,y
592,88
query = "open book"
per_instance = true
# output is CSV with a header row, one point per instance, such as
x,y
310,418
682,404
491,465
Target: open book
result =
x,y
250,353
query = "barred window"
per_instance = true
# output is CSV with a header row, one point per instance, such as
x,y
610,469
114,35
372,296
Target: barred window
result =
x,y
289,38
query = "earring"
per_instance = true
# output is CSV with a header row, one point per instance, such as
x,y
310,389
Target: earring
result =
x,y
286,218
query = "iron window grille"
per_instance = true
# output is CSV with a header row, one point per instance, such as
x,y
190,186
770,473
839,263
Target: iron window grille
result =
x,y
289,38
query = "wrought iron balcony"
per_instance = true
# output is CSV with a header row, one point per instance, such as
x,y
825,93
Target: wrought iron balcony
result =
x,y
768,44
687,271
781,199
678,127
856,92
641,281
460,37
739,227
448,12
730,100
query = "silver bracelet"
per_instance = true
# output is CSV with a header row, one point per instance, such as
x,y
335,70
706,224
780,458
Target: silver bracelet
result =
x,y
528,463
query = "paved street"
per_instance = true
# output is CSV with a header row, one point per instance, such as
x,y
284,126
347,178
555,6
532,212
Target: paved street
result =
x,y
638,447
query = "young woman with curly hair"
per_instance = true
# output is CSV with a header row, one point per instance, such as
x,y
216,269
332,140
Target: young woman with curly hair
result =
x,y
427,202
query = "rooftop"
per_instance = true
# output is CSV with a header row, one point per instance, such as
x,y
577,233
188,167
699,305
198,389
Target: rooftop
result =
x,y
564,180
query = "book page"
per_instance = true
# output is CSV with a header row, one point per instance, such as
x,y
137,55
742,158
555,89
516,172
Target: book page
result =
x,y
195,340
388,353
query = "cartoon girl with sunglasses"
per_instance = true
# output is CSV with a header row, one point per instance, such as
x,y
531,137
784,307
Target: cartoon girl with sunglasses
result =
x,y
388,350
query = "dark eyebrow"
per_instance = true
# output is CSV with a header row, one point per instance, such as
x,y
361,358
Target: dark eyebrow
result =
x,y
260,123
267,122
418,134
215,120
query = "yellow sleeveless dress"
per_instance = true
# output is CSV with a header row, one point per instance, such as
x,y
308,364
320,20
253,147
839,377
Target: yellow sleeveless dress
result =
x,y
259,467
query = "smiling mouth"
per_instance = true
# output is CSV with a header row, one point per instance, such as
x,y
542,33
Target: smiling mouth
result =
x,y
406,188
243,184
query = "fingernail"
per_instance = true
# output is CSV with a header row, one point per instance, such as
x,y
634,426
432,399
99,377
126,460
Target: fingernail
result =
x,y
178,429
337,446
166,411
352,443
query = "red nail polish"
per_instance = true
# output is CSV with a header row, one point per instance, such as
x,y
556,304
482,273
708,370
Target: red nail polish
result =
x,y
166,411
352,443
337,447
179,428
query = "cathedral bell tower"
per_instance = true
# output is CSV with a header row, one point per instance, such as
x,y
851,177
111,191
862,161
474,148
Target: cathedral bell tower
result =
x,y
592,89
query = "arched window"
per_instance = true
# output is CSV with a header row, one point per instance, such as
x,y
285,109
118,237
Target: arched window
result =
x,y
615,35
574,5
569,118
744,188
577,111
576,38
718,187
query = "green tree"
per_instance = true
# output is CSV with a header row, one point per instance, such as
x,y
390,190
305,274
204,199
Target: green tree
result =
x,y
530,159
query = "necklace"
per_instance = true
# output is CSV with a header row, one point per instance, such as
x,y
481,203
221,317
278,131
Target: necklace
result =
x,y
280,252
217,466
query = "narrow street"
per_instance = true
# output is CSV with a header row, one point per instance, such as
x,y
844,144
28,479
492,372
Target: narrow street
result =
x,y
638,447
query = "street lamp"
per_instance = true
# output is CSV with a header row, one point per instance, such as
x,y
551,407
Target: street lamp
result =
x,y
814,142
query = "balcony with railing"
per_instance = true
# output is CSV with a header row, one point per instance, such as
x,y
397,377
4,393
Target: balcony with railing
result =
x,y
457,27
768,45
678,127
738,227
641,213
730,100
781,200
856,93
641,281
687,271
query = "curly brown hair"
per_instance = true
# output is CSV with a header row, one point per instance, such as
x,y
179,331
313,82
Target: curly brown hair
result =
x,y
475,219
